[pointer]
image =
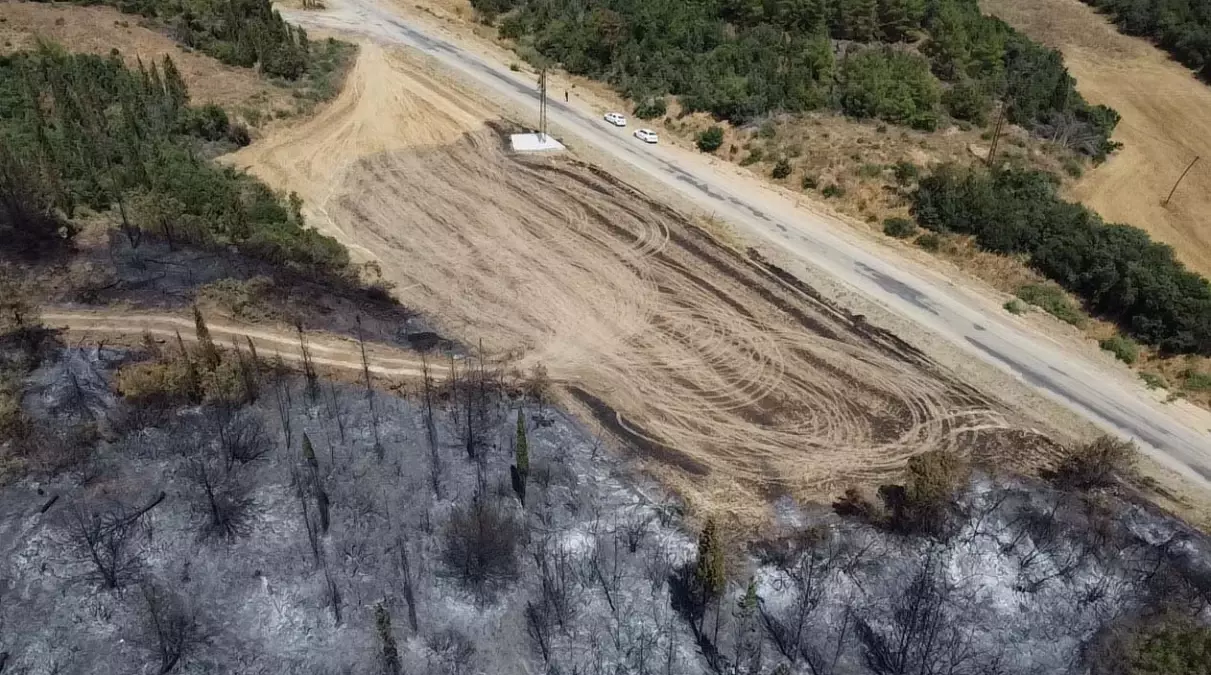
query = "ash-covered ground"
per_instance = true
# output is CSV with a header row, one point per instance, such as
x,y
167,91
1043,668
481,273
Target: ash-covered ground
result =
x,y
206,539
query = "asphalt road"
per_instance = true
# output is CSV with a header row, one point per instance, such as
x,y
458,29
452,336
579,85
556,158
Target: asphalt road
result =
x,y
767,217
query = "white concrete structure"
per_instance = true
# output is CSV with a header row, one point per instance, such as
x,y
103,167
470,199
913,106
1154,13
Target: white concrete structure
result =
x,y
535,143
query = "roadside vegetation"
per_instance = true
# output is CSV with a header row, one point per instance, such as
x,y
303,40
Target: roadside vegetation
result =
x,y
1181,28
899,61
1117,270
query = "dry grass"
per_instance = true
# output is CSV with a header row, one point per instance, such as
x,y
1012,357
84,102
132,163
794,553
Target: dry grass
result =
x,y
97,30
1166,123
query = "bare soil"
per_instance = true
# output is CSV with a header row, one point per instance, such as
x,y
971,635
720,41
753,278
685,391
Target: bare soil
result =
x,y
734,378
98,30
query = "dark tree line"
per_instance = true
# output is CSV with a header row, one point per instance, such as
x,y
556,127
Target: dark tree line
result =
x,y
237,32
1181,27
1117,270
904,61
81,130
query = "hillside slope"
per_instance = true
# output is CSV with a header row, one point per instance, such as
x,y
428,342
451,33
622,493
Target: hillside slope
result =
x,y
1166,123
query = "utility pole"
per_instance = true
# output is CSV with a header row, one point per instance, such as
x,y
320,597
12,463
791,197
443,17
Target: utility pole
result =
x,y
996,136
1179,181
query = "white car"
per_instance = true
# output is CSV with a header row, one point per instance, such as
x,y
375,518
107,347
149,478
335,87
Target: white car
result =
x,y
617,119
647,135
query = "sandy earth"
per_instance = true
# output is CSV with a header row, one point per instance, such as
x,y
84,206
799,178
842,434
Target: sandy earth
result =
x,y
739,383
97,30
1166,123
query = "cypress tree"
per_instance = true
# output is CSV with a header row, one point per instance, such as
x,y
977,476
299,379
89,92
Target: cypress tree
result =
x,y
193,381
207,351
178,93
389,654
523,446
309,454
520,470
709,574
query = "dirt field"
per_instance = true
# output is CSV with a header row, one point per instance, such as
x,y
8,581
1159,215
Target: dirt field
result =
x,y
97,30
1166,123
739,382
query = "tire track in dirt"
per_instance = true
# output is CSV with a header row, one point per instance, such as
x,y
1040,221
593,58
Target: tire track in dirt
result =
x,y
733,377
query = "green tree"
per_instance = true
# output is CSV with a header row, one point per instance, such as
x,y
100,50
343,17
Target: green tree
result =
x,y
899,18
856,19
207,351
891,85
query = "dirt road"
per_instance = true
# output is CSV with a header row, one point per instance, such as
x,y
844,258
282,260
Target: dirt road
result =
x,y
326,350
735,380
1175,435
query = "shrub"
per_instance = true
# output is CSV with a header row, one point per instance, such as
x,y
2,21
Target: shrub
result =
x,y
158,383
767,130
14,424
924,503
651,108
1015,306
833,190
1052,300
1154,380
1095,464
782,169
1073,167
1177,647
481,544
755,155
900,228
967,101
870,171
1124,349
930,242
515,67
857,504
711,139
1196,381
906,172
809,182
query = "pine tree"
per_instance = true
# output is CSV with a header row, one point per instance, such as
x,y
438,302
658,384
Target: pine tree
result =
x,y
389,654
207,351
858,19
